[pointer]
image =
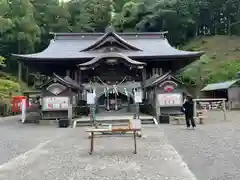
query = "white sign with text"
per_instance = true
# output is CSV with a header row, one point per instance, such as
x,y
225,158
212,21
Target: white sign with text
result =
x,y
170,99
23,108
51,103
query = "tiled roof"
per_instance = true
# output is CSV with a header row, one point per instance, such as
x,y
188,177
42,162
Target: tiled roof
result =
x,y
158,79
69,46
112,55
219,86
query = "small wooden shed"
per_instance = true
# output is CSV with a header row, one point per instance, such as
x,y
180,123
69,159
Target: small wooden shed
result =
x,y
56,96
229,90
165,94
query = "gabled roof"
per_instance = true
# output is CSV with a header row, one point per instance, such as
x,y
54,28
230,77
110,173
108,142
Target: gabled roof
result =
x,y
75,46
161,79
220,86
126,60
111,37
67,81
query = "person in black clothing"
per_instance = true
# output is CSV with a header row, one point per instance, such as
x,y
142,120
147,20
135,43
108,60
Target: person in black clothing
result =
x,y
188,109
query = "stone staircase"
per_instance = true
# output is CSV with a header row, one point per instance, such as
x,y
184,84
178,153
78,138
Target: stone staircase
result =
x,y
122,120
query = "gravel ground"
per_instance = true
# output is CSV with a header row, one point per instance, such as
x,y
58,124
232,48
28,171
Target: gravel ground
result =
x,y
212,151
31,152
17,138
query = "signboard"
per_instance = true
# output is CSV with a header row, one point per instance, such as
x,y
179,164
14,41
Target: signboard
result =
x,y
23,109
170,99
58,103
138,97
91,98
70,113
135,124
211,105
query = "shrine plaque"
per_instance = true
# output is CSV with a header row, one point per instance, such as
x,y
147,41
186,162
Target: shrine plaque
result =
x,y
138,97
90,98
170,99
55,103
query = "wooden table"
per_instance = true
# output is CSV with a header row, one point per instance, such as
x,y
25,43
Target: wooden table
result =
x,y
95,130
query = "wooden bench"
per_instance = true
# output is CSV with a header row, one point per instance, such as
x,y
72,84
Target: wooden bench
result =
x,y
95,130
116,126
182,118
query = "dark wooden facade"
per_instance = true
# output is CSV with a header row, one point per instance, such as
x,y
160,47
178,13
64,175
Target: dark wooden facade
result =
x,y
113,62
59,89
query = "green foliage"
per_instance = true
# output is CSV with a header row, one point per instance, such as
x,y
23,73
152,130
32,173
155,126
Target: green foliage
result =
x,y
90,15
2,62
7,86
221,62
7,76
226,70
25,27
235,28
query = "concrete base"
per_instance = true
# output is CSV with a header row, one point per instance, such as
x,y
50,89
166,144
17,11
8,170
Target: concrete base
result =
x,y
48,122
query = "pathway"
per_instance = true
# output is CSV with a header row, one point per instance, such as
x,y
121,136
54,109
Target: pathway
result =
x,y
212,150
37,152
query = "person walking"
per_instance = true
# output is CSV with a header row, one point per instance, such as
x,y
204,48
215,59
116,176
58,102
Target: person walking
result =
x,y
188,109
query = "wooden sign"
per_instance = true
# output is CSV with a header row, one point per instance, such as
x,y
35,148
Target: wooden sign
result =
x,y
170,99
51,103
90,98
23,109
138,97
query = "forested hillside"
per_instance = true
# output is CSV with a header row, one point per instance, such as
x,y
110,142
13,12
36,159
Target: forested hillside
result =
x,y
25,27
220,63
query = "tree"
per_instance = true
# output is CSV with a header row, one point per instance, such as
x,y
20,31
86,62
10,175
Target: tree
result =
x,y
19,31
50,16
2,62
90,15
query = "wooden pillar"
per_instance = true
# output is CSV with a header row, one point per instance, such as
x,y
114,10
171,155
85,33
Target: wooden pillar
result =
x,y
79,76
157,106
144,76
19,71
160,71
76,75
27,74
68,73
153,72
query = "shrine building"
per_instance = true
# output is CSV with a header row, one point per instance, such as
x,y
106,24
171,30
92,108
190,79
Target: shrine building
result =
x,y
115,66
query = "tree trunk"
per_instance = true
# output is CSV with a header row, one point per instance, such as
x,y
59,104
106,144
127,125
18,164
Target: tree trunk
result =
x,y
229,26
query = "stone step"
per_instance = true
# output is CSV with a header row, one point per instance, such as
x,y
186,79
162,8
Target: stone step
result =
x,y
114,122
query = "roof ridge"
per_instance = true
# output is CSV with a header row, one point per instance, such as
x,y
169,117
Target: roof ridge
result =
x,y
233,80
101,33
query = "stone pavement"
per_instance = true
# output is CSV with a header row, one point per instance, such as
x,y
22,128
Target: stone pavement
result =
x,y
10,118
31,152
212,151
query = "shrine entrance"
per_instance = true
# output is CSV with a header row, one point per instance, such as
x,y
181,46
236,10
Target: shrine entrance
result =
x,y
115,102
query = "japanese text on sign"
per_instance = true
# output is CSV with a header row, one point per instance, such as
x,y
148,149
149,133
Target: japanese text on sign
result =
x,y
170,99
55,103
